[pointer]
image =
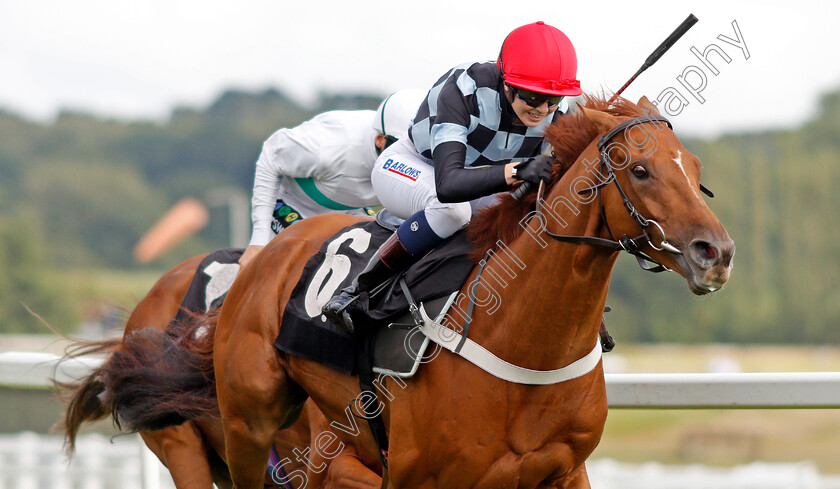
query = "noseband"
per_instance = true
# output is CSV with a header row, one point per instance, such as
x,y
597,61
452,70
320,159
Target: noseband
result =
x,y
626,243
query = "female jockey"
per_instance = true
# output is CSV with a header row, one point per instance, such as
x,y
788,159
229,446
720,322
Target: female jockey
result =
x,y
479,131
324,165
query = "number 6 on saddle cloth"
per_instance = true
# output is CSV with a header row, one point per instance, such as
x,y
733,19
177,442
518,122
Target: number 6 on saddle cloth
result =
x,y
305,332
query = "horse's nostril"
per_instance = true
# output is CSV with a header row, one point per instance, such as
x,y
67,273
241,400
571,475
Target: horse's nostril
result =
x,y
705,251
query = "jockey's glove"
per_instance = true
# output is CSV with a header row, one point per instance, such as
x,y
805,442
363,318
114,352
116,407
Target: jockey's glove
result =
x,y
535,169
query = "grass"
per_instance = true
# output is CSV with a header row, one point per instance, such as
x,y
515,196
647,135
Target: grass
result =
x,y
82,297
723,437
116,287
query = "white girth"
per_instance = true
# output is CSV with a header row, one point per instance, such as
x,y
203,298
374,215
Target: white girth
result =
x,y
490,363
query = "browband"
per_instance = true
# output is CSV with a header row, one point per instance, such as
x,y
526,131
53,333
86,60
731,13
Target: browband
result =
x,y
605,139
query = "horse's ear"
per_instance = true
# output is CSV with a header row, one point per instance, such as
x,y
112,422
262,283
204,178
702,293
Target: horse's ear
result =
x,y
647,106
603,122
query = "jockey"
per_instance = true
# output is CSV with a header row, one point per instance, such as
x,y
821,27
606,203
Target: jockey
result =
x,y
479,131
324,165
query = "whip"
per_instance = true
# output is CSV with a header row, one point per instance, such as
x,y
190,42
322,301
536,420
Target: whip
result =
x,y
657,53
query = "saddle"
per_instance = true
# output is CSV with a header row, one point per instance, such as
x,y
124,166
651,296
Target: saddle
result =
x,y
397,348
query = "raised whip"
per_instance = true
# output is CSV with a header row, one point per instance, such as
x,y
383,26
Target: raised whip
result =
x,y
657,53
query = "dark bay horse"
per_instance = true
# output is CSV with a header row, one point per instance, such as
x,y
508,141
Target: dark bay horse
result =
x,y
622,180
194,451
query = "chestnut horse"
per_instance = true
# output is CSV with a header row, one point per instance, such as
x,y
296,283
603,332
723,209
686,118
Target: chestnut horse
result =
x,y
193,452
623,180
454,425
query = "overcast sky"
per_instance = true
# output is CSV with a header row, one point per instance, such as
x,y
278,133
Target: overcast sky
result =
x,y
138,59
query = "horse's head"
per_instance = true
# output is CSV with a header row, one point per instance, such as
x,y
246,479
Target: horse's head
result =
x,y
655,175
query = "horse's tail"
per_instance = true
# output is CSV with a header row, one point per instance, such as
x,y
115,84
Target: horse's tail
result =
x,y
83,397
159,379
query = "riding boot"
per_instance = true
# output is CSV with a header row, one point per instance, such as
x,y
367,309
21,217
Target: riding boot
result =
x,y
389,259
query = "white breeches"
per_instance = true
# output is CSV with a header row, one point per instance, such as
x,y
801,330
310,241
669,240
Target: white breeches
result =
x,y
404,181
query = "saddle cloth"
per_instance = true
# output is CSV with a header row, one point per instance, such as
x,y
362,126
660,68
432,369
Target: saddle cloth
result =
x,y
210,284
306,333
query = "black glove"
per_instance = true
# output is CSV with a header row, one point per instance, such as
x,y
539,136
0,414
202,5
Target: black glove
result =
x,y
535,169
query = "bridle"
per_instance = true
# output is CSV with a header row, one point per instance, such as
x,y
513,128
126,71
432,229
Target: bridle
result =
x,y
625,243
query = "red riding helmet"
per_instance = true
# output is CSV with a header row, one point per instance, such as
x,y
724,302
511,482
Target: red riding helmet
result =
x,y
539,57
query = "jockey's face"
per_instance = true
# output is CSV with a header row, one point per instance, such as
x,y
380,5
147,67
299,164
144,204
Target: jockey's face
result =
x,y
527,115
381,142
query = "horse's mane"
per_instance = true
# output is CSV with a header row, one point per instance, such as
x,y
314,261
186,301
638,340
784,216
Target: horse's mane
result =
x,y
569,136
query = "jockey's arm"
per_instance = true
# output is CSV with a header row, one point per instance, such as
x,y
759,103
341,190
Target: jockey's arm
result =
x,y
283,155
456,183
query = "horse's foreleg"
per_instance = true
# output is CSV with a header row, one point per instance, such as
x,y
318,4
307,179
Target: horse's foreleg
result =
x,y
182,451
255,399
578,479
249,432
247,453
347,471
331,462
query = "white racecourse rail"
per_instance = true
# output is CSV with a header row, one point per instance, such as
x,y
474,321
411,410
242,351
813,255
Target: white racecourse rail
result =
x,y
794,390
34,461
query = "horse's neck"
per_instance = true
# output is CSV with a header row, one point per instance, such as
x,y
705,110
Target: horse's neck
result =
x,y
548,314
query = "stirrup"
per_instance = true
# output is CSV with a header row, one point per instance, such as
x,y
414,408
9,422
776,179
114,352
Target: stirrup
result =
x,y
340,315
347,322
607,341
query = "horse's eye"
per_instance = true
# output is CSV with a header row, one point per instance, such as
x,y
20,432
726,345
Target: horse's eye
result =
x,y
639,172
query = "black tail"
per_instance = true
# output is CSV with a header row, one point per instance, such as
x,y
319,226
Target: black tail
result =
x,y
160,379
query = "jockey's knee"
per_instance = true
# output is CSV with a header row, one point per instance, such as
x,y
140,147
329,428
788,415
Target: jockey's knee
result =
x,y
446,219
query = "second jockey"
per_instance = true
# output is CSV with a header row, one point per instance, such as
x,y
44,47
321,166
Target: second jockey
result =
x,y
324,165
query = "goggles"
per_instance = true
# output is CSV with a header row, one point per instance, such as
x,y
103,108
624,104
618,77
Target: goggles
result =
x,y
536,99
